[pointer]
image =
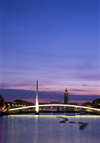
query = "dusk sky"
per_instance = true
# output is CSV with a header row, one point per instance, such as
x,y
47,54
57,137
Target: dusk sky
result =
x,y
54,41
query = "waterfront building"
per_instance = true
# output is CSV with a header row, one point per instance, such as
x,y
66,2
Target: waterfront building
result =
x,y
66,96
87,104
19,102
2,103
96,103
1,99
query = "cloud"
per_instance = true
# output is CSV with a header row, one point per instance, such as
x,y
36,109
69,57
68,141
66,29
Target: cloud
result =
x,y
14,85
87,85
5,85
90,76
78,90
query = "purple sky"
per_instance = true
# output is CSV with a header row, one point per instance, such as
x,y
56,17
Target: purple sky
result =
x,y
54,41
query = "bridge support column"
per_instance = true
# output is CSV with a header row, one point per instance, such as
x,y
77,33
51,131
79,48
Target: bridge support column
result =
x,y
37,102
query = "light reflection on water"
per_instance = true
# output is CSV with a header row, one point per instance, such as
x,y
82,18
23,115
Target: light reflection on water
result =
x,y
47,129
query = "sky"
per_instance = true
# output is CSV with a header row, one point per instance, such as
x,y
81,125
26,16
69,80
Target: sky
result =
x,y
53,41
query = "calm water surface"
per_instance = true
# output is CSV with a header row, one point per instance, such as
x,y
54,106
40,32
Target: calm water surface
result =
x,y
47,129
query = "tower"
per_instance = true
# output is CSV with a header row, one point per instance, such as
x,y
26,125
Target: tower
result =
x,y
66,96
37,102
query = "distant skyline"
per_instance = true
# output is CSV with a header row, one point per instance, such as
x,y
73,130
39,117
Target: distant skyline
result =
x,y
54,41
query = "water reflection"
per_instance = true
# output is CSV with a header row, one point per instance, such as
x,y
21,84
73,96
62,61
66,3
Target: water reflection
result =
x,y
36,128
83,124
2,132
46,129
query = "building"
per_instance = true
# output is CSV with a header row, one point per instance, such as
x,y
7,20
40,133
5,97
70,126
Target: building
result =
x,y
19,102
2,103
66,96
96,103
87,104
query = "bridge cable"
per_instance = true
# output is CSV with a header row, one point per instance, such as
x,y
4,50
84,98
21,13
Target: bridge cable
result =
x,y
27,92
50,96
31,95
52,91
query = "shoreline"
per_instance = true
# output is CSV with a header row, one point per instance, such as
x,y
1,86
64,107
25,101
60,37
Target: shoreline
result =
x,y
28,112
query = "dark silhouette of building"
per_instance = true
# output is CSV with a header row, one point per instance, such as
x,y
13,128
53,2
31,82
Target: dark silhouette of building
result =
x,y
21,102
96,103
88,104
2,103
66,96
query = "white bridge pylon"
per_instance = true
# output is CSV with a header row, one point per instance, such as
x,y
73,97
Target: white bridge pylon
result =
x,y
37,100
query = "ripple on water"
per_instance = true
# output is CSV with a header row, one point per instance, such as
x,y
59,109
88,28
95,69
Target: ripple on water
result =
x,y
48,129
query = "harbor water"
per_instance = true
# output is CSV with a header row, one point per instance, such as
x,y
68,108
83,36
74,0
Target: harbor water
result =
x,y
49,129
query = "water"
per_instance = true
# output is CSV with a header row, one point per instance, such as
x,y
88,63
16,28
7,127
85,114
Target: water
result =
x,y
47,129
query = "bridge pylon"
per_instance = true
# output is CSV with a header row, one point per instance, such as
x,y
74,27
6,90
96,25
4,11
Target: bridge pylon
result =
x,y
37,101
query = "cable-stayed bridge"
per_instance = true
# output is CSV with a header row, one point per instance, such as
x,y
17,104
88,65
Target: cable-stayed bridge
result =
x,y
37,105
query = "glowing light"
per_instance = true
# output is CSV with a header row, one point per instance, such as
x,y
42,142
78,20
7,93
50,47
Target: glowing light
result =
x,y
22,108
57,116
63,105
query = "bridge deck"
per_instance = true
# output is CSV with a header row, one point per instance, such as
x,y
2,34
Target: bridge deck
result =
x,y
58,105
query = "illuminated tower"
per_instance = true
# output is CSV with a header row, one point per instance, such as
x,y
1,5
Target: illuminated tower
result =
x,y
37,102
66,96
